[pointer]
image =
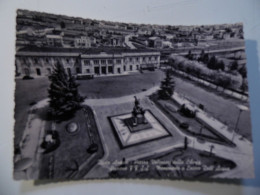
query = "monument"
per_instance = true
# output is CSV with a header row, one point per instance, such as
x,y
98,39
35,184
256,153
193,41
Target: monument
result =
x,y
138,114
137,126
137,121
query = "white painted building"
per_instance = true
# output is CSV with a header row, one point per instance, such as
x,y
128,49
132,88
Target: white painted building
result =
x,y
41,62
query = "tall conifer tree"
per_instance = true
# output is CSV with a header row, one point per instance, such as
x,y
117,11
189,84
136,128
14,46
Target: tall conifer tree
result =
x,y
63,92
167,87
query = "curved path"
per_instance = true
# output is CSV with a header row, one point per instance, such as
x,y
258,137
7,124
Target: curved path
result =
x,y
128,42
106,101
120,100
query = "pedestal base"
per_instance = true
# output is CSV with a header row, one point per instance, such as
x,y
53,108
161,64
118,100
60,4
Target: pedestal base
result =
x,y
129,135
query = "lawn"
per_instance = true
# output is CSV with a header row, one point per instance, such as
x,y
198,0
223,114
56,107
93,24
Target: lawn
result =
x,y
72,153
117,86
30,91
170,108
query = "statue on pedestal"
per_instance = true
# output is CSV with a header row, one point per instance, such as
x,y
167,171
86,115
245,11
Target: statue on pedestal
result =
x,y
138,114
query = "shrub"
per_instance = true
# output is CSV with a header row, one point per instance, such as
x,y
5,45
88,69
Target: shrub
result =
x,y
27,78
184,125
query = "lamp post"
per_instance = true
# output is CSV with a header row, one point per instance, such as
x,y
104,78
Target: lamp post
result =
x,y
211,149
241,108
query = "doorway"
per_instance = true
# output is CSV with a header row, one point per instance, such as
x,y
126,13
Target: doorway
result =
x,y
38,71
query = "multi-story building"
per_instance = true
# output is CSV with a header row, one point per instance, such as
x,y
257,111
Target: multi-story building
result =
x,y
82,42
155,42
54,40
40,61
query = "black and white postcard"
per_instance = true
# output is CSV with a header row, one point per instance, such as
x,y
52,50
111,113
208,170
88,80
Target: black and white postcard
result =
x,y
99,99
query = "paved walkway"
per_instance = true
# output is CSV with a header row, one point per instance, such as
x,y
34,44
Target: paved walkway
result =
x,y
204,117
30,145
120,100
242,154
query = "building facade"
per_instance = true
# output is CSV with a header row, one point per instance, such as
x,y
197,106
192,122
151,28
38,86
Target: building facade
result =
x,y
82,42
40,63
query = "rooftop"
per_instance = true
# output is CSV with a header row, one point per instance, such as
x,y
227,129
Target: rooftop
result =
x,y
108,50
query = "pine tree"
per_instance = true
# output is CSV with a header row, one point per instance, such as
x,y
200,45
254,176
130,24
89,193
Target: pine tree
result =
x,y
63,92
167,87
212,63
234,65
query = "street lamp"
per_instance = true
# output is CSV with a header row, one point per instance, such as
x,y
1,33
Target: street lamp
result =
x,y
211,149
241,108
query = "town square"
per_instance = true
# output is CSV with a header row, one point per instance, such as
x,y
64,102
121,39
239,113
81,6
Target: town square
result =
x,y
97,99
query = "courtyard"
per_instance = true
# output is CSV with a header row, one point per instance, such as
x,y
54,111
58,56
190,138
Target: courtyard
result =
x,y
112,96
101,87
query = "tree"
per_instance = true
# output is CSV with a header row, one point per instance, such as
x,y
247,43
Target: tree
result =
x,y
62,24
203,57
63,92
189,55
244,86
212,64
221,65
153,33
167,87
234,65
224,82
242,71
200,59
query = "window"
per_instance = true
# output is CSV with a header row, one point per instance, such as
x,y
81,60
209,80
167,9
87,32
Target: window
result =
x,y
131,67
96,61
78,70
104,70
67,60
96,70
118,61
110,61
130,59
38,71
137,59
103,61
35,60
87,71
47,60
110,69
86,62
